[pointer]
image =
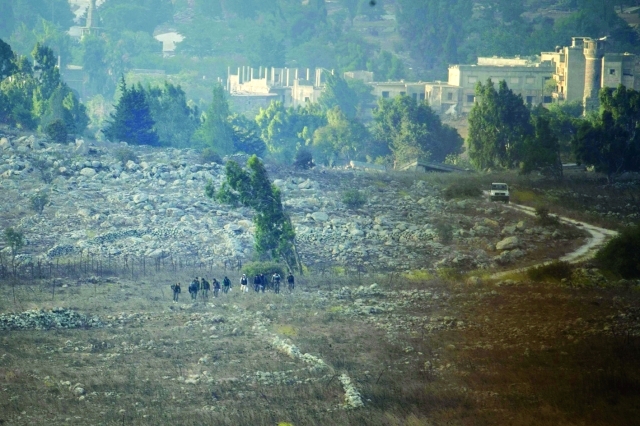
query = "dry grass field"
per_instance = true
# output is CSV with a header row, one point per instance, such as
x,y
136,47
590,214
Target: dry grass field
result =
x,y
417,350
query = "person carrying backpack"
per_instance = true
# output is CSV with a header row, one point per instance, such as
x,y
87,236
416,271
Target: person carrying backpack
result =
x,y
193,288
263,282
205,286
256,283
291,281
176,291
243,284
216,287
275,281
226,284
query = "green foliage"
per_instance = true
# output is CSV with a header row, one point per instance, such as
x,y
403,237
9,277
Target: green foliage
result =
x,y
337,93
275,235
303,159
252,269
44,168
7,60
38,202
132,121
444,232
246,135
541,151
13,239
498,124
544,218
621,255
208,155
216,131
554,271
340,138
611,143
354,199
124,155
175,121
413,131
143,15
57,131
462,189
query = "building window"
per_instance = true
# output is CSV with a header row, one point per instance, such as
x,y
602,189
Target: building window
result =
x,y
449,96
385,94
472,79
403,93
627,72
547,100
471,99
530,80
514,80
612,71
422,96
530,100
414,96
306,99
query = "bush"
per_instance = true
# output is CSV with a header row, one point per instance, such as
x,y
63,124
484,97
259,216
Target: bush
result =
x,y
462,189
208,155
354,199
45,174
38,202
124,155
554,271
57,131
621,255
303,160
252,269
544,218
444,232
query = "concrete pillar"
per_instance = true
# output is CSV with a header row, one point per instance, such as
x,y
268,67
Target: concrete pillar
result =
x,y
239,76
593,54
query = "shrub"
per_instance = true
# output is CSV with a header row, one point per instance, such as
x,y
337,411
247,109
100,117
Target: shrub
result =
x,y
354,199
303,160
38,202
444,232
267,268
208,155
621,255
57,131
45,174
124,155
544,218
462,189
554,271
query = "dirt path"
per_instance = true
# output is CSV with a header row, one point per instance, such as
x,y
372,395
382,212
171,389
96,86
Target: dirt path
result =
x,y
598,237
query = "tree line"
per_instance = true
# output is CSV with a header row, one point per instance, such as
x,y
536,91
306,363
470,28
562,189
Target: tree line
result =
x,y
505,133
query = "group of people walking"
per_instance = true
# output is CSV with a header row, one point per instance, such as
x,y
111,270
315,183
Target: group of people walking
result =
x,y
200,286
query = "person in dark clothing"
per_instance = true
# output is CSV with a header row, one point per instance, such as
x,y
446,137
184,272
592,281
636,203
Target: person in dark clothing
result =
x,y
226,284
216,287
193,289
291,281
256,283
263,282
176,291
275,282
205,286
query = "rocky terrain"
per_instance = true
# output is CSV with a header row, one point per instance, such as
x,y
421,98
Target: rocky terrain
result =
x,y
153,206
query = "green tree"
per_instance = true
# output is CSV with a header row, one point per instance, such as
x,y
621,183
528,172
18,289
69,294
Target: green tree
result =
x,y
246,135
15,241
175,121
611,143
143,15
541,151
57,131
7,61
413,131
275,234
498,123
338,93
341,138
46,69
94,62
132,121
215,130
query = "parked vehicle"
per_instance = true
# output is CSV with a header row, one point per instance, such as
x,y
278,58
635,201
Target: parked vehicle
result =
x,y
499,192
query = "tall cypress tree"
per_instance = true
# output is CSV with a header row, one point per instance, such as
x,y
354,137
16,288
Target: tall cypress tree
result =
x,y
132,122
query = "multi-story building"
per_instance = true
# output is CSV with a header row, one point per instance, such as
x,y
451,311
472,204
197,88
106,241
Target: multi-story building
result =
x,y
585,67
525,77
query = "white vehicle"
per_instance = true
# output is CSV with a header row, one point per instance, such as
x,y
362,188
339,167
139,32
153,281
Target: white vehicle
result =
x,y
499,192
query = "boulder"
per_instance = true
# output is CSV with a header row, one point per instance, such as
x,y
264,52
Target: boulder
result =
x,y
81,147
320,216
508,243
5,144
140,198
88,172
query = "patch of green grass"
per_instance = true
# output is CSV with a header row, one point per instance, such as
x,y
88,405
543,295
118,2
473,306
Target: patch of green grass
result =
x,y
418,275
287,330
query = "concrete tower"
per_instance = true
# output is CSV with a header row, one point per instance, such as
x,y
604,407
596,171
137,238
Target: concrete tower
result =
x,y
593,54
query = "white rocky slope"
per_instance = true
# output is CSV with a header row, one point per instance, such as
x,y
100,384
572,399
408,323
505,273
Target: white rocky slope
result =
x,y
156,208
